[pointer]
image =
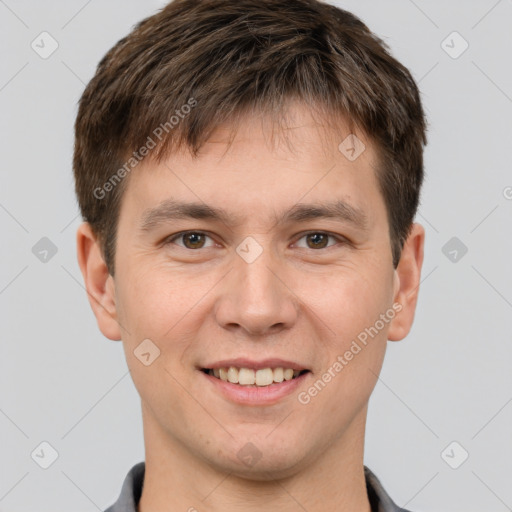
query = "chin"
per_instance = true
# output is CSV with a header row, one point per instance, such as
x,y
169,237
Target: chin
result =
x,y
259,460
263,470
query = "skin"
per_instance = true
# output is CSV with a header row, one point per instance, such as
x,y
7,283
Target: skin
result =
x,y
295,301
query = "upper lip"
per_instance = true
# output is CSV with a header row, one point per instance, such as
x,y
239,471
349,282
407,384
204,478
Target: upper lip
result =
x,y
241,362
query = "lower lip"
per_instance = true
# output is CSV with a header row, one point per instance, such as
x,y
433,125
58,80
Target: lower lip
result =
x,y
257,395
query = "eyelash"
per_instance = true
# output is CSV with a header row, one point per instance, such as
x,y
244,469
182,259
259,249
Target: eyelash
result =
x,y
181,234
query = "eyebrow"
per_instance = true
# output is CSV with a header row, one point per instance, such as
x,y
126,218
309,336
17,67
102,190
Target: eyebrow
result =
x,y
172,209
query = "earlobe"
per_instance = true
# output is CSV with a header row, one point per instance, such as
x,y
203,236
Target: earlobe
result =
x,y
98,282
407,282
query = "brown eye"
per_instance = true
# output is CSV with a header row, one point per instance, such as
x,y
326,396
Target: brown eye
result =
x,y
190,239
318,240
196,240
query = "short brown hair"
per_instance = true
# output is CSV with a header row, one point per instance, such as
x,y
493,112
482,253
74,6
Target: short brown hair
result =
x,y
224,57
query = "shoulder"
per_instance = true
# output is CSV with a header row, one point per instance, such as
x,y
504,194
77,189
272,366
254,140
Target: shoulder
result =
x,y
380,500
131,490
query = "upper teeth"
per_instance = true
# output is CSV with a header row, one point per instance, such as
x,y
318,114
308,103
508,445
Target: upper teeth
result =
x,y
248,376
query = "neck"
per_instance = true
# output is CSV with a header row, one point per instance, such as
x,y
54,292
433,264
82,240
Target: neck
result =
x,y
176,479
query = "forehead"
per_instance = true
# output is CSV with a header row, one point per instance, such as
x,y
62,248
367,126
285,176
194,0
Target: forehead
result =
x,y
253,164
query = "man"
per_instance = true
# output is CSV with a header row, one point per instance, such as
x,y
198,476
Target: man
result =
x,y
248,173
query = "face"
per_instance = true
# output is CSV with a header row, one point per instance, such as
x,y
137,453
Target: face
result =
x,y
272,284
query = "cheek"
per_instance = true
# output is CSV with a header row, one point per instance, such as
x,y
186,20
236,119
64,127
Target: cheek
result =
x,y
154,300
348,301
159,306
351,306
167,307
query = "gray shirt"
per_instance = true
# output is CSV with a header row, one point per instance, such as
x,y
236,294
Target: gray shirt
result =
x,y
132,490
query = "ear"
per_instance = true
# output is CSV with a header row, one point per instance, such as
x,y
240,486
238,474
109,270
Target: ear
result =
x,y
98,282
407,281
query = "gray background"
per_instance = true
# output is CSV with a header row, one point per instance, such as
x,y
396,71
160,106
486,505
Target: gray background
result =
x,y
64,383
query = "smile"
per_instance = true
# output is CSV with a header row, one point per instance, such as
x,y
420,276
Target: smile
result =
x,y
254,378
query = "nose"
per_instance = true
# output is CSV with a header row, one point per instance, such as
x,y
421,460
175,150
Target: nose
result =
x,y
255,296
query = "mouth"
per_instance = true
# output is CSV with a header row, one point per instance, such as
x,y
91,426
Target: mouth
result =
x,y
254,378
